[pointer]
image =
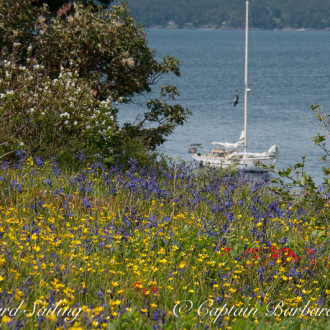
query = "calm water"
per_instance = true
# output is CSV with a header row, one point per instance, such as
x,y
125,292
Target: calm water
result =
x,y
288,72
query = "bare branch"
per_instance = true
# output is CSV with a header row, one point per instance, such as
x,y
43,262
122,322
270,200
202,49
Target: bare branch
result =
x,y
7,153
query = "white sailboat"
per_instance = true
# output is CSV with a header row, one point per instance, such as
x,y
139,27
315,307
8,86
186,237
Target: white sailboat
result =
x,y
227,154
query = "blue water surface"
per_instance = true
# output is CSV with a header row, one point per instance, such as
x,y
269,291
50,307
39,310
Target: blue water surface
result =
x,y
288,72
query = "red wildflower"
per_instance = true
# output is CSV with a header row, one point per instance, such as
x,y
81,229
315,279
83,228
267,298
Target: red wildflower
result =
x,y
282,253
154,290
254,252
310,251
226,250
137,286
275,256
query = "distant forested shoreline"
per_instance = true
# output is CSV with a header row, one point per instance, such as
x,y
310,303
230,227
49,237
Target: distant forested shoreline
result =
x,y
229,14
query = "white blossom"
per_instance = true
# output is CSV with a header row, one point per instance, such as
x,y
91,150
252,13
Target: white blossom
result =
x,y
65,114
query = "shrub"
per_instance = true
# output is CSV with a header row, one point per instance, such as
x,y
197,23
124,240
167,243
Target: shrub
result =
x,y
52,116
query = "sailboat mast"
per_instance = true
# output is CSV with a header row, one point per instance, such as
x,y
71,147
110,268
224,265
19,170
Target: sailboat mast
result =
x,y
246,90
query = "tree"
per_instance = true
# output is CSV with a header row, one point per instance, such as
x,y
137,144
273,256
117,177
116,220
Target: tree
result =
x,y
105,48
55,5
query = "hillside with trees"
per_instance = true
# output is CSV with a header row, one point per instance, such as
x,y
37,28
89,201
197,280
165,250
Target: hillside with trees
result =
x,y
264,14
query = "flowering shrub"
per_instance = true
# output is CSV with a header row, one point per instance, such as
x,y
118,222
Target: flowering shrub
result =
x,y
107,53
52,116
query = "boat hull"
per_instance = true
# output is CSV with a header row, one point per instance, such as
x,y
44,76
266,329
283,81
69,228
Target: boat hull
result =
x,y
247,163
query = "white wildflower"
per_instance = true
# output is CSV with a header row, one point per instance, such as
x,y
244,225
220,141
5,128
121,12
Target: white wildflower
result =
x,y
65,114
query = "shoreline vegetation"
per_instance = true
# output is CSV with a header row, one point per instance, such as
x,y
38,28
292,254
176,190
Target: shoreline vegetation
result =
x,y
159,27
230,13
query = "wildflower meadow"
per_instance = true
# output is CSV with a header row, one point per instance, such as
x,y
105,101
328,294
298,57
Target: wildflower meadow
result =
x,y
159,247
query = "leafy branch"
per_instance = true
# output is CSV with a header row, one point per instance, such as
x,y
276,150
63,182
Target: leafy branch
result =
x,y
294,184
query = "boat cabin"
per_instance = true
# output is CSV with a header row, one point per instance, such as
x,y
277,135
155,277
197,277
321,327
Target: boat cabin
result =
x,y
221,152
